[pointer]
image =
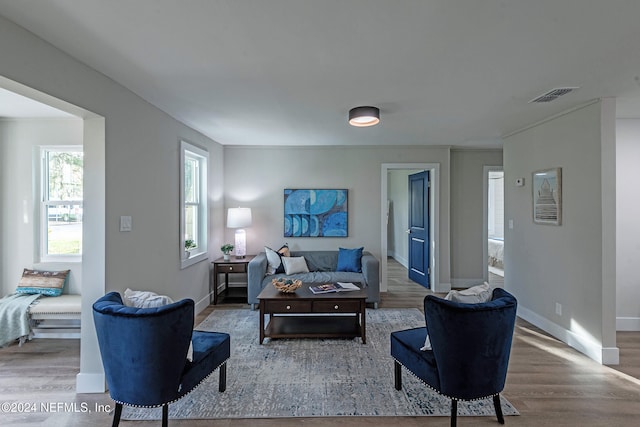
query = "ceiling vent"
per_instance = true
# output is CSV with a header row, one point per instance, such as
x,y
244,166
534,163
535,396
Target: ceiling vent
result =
x,y
553,94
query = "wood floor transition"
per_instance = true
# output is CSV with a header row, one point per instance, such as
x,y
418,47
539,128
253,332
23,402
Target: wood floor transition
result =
x,y
548,382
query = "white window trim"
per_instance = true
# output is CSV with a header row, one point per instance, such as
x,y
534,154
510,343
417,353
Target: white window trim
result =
x,y
203,218
42,255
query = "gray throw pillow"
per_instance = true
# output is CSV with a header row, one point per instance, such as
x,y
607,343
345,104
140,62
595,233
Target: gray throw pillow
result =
x,y
293,265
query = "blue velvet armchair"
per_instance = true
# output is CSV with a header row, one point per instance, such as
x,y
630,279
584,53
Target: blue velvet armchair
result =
x,y
144,353
471,344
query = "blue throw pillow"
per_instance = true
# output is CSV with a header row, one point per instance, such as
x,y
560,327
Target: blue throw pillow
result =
x,y
350,260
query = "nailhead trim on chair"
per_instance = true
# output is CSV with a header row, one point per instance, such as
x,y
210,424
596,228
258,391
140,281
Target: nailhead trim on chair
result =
x,y
429,386
175,400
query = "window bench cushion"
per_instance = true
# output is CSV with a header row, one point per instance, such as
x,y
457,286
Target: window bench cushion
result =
x,y
66,306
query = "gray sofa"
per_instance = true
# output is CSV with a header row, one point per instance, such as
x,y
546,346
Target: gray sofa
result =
x,y
322,269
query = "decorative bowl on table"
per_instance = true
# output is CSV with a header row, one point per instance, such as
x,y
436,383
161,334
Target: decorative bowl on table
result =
x,y
286,286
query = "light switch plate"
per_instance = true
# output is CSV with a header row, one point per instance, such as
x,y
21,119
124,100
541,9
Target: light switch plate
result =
x,y
125,223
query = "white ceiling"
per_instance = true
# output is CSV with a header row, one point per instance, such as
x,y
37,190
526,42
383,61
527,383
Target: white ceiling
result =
x,y
286,72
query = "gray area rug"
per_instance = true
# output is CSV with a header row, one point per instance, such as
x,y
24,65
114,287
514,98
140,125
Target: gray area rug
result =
x,y
312,377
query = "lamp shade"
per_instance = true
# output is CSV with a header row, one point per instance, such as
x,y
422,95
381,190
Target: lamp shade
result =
x,y
238,217
364,116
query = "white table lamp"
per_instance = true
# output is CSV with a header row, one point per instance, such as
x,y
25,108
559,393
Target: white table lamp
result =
x,y
239,218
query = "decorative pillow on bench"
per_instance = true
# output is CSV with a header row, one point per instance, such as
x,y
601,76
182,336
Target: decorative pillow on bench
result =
x,y
49,283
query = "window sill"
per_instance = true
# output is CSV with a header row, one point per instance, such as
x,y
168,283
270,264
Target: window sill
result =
x,y
193,259
61,259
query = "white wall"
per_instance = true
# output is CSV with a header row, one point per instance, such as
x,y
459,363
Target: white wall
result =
x,y
19,143
567,264
467,216
628,224
255,177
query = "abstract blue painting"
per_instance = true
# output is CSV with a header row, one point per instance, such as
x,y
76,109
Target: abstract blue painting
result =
x,y
315,213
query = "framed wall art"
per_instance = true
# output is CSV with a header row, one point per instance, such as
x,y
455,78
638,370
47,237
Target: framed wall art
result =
x,y
315,213
547,196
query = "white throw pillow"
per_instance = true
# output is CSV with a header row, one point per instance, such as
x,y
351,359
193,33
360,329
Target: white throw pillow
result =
x,y
274,259
473,295
293,265
145,299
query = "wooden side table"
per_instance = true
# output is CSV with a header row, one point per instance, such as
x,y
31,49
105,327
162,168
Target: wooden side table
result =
x,y
231,266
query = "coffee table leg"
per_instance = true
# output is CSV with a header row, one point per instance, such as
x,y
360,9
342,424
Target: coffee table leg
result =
x,y
261,322
363,316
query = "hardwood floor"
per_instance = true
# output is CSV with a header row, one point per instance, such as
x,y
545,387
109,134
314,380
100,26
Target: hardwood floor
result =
x,y
548,382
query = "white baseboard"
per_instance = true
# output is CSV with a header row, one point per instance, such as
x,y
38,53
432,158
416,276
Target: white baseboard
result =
x,y
628,324
586,346
57,333
610,356
90,383
202,303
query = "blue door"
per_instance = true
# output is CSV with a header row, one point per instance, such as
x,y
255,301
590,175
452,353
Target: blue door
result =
x,y
419,228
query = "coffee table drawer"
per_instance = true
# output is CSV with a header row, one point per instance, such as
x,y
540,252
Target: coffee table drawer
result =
x,y
336,306
287,306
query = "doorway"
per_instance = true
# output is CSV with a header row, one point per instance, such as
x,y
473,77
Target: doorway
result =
x,y
90,379
391,231
494,224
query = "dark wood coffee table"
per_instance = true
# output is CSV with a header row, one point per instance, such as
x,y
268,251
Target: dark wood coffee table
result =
x,y
304,314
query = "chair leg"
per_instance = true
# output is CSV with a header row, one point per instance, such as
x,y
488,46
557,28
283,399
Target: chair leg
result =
x,y
397,371
498,406
116,415
165,415
222,383
454,412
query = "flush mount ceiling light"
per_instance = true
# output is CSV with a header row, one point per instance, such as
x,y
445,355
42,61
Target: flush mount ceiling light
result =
x,y
364,116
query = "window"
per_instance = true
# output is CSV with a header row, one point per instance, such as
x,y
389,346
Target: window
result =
x,y
496,205
193,204
61,204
